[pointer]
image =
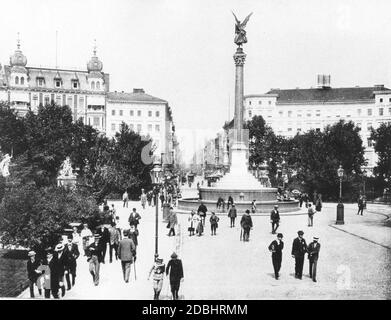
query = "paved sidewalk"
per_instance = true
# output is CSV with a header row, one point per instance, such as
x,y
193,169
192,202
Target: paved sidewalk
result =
x,y
223,267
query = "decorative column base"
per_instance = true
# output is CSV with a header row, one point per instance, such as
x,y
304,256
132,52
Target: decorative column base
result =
x,y
340,214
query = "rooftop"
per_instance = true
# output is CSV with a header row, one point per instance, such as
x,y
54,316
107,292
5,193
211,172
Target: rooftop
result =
x,y
138,95
326,94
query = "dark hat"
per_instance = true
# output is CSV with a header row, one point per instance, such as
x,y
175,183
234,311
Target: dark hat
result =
x,y
276,206
174,255
159,260
316,238
300,233
247,211
279,235
126,232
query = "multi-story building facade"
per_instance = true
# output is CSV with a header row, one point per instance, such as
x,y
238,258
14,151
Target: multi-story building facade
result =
x,y
87,93
25,88
292,111
145,114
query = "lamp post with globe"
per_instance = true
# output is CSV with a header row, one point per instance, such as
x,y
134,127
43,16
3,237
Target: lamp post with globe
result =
x,y
340,206
156,178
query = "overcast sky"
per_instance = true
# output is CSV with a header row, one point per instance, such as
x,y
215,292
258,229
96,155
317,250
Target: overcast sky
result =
x,y
181,50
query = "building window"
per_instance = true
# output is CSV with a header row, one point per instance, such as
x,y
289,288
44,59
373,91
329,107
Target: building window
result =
x,y
381,99
74,84
381,111
16,80
289,113
98,85
93,85
47,100
369,126
309,115
348,116
359,112
389,111
58,100
81,102
139,128
58,84
157,128
270,102
260,102
96,121
280,113
22,80
113,127
249,113
157,114
369,142
139,113
389,99
131,113
289,129
113,112
40,82
149,113
249,103
131,127
369,112
150,128
121,113
318,113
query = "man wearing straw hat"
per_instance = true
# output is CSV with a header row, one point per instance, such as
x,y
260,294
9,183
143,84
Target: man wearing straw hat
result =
x,y
33,273
313,255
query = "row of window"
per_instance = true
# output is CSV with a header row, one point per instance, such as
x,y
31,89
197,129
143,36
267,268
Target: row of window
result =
x,y
381,112
139,127
382,100
131,113
58,83
259,102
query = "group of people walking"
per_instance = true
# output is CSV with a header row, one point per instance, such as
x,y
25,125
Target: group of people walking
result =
x,y
56,269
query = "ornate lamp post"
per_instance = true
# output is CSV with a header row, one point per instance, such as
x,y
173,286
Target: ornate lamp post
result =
x,y
156,178
340,207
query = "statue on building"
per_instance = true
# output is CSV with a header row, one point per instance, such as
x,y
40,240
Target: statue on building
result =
x,y
4,165
240,33
66,168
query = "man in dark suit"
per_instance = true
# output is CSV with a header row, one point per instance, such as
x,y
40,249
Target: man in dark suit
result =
x,y
95,257
71,253
53,274
299,249
275,219
104,240
232,213
246,223
61,263
276,248
134,218
202,209
127,254
175,269
313,255
33,273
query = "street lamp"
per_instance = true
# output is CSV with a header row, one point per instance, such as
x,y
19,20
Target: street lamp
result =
x,y
156,178
340,207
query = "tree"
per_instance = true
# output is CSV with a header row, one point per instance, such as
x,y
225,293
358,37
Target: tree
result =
x,y
12,131
31,216
382,141
316,157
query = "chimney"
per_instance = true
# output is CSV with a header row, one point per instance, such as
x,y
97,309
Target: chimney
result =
x,y
323,81
138,90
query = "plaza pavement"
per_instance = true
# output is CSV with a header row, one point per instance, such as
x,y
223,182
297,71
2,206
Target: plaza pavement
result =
x,y
354,260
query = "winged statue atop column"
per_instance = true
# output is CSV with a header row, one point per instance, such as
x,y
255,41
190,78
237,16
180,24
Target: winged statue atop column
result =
x,y
240,33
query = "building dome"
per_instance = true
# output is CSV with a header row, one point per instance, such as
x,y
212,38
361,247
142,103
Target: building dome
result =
x,y
18,59
94,64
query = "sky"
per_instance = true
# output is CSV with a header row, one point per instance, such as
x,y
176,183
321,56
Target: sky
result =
x,y
181,50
